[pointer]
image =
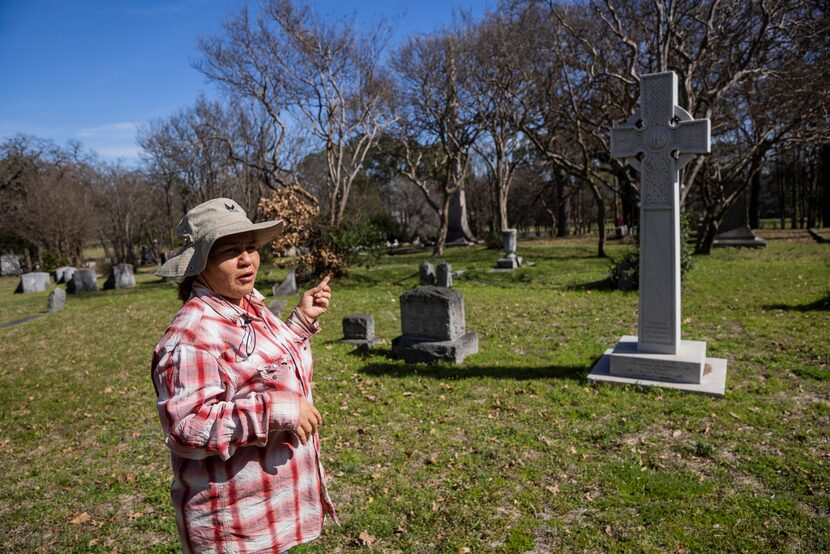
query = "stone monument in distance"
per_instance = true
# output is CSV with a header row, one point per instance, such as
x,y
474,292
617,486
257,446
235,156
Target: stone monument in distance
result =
x,y
658,140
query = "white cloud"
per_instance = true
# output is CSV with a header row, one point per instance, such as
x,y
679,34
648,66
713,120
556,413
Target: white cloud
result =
x,y
112,141
124,129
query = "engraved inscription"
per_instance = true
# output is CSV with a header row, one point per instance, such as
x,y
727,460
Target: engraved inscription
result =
x,y
660,370
657,330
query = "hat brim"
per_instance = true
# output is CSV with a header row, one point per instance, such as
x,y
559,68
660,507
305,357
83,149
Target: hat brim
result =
x,y
191,259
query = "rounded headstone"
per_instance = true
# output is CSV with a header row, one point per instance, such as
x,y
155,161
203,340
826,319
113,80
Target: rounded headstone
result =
x,y
57,300
426,274
359,326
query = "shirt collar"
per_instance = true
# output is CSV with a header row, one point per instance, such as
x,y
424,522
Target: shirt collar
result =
x,y
225,308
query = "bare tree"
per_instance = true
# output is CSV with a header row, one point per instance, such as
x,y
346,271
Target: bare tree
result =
x,y
306,74
439,122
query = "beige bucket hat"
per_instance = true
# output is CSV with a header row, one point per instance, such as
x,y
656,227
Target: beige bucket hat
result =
x,y
203,225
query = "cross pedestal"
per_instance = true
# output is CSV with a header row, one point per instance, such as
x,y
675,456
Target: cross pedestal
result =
x,y
658,141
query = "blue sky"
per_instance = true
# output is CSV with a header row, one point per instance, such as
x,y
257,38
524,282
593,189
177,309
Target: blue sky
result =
x,y
93,70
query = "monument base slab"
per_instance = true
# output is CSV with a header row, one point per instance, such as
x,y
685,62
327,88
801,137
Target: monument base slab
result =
x,y
416,349
684,367
713,383
509,263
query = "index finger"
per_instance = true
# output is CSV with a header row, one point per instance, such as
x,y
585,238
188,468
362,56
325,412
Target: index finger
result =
x,y
322,284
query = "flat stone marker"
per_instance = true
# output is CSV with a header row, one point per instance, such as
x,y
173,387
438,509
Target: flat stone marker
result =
x,y
276,306
510,261
36,281
83,280
432,322
426,274
359,329
665,137
288,287
121,277
443,275
10,265
21,320
57,300
64,274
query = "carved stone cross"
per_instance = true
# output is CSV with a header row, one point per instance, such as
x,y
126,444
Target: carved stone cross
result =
x,y
659,140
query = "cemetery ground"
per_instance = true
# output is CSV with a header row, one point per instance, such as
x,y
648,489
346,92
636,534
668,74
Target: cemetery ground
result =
x,y
512,451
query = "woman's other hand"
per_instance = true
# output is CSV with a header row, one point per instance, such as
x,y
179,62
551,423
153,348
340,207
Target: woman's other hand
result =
x,y
310,419
315,302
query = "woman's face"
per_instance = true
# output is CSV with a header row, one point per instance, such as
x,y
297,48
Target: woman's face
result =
x,y
231,266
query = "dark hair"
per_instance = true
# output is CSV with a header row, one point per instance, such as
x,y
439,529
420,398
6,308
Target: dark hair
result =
x,y
185,288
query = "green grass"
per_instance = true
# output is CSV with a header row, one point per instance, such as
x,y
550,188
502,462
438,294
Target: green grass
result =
x,y
511,451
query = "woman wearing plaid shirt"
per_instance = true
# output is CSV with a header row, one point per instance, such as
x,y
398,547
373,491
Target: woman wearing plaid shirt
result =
x,y
235,397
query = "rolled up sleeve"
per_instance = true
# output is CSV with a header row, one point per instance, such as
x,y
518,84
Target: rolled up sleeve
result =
x,y
199,415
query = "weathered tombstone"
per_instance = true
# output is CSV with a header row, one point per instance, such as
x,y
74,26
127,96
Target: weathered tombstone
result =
x,y
121,277
510,261
359,329
433,327
276,306
288,287
57,300
64,274
734,230
443,275
9,265
83,280
36,281
458,227
426,274
665,137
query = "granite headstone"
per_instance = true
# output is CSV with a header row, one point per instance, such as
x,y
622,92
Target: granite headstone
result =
x,y
36,281
433,327
121,277
83,280
288,286
57,300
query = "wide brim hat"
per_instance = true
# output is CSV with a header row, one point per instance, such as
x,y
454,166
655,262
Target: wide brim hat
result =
x,y
203,225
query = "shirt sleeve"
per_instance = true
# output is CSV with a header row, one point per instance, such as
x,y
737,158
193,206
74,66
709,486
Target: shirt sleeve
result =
x,y
199,414
301,326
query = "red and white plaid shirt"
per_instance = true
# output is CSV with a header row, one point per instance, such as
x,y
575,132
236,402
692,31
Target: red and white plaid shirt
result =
x,y
228,386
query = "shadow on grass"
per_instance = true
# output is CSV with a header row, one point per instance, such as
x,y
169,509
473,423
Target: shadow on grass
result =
x,y
446,371
602,285
820,305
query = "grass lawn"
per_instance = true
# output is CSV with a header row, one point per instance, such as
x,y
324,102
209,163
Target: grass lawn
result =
x,y
513,451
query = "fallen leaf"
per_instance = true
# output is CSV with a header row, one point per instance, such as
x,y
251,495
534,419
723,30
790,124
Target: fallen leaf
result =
x,y
736,416
366,539
408,393
553,489
81,518
676,433
107,390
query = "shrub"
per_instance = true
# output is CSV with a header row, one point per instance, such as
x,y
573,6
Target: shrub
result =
x,y
624,272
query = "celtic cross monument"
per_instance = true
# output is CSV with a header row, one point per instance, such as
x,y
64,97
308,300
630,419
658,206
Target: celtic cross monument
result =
x,y
658,141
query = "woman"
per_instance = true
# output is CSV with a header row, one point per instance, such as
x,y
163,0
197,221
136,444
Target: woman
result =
x,y
234,394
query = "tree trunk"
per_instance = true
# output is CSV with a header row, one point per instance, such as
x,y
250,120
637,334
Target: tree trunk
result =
x,y
825,184
708,234
561,206
444,217
597,194
755,202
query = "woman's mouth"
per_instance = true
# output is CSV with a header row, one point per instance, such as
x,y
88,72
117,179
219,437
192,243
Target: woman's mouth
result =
x,y
247,278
